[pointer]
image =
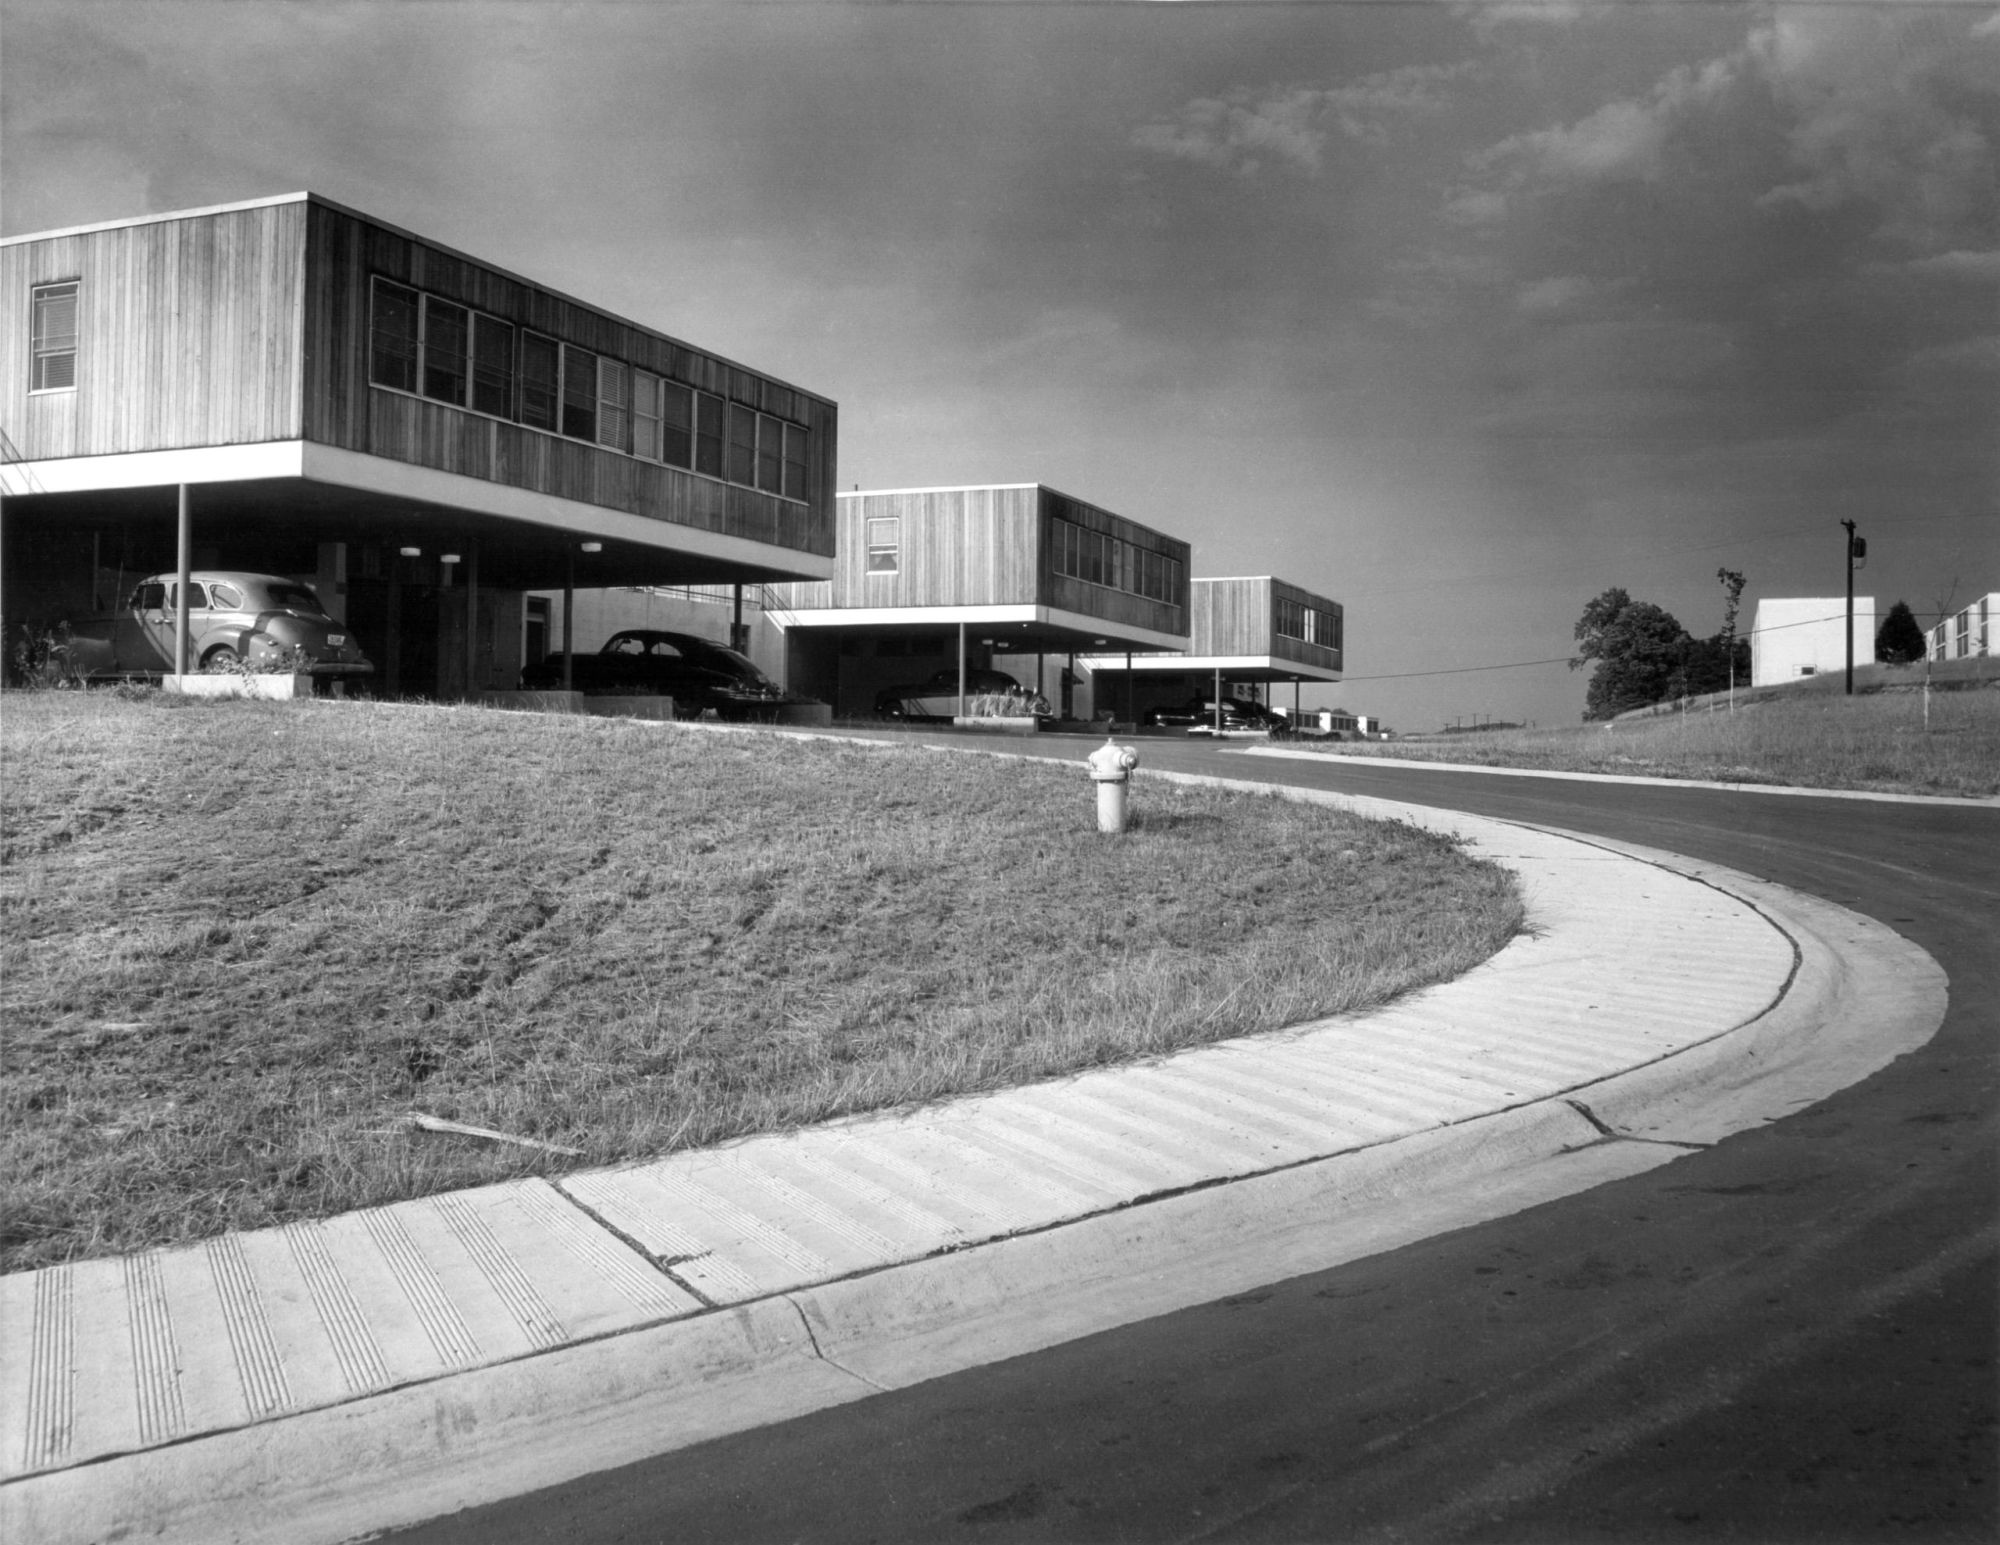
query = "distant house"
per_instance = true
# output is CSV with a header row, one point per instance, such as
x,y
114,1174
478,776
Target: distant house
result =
x,y
1016,578
1806,637
420,434
1254,631
1966,633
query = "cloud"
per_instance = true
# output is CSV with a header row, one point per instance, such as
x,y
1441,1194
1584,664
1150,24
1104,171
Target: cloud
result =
x,y
1882,113
1235,134
1979,267
1292,124
1622,139
1489,16
1564,293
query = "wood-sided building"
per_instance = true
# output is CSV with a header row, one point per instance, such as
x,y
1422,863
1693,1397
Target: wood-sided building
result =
x,y
422,434
1001,577
1252,630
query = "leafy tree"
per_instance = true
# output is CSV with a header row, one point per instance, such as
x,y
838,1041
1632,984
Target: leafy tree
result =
x,y
1643,654
1899,640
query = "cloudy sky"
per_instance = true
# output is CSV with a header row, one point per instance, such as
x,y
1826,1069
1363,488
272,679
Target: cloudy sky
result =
x,y
1456,312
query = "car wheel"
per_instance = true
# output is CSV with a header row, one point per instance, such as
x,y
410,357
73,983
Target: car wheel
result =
x,y
220,658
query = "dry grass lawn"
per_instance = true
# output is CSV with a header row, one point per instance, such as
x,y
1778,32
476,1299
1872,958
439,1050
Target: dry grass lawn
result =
x,y
244,941
1877,742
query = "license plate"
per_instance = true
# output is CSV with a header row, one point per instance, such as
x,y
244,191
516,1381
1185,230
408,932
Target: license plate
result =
x,y
336,639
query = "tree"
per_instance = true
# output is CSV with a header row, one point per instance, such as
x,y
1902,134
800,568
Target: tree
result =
x,y
1641,651
1899,640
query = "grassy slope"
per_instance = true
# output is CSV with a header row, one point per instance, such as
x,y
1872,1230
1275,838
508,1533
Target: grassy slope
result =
x,y
242,940
1878,742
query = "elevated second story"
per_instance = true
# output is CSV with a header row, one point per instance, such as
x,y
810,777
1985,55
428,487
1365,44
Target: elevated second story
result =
x,y
912,555
293,321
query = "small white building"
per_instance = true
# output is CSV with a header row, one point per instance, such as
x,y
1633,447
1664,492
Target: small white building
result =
x,y
1802,636
1966,633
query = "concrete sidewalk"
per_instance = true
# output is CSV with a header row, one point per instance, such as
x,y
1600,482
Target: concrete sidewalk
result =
x,y
316,1381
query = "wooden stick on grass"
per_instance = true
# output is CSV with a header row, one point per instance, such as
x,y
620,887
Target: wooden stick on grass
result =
x,y
439,1124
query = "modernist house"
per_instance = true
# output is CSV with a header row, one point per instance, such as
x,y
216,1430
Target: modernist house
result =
x,y
1252,631
289,386
1966,633
994,578
1804,636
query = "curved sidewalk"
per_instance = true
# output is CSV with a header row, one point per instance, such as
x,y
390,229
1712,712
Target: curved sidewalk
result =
x,y
319,1380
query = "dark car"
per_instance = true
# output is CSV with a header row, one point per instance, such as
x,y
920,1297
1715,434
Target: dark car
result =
x,y
263,621
987,694
1197,716
701,676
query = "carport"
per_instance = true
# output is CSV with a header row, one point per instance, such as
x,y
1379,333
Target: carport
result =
x,y
288,386
1247,631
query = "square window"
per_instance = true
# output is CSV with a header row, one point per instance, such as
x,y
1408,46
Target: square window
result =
x,y
392,353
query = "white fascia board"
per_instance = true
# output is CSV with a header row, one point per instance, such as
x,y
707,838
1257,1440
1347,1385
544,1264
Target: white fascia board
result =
x,y
1161,664
919,616
397,479
155,469
970,488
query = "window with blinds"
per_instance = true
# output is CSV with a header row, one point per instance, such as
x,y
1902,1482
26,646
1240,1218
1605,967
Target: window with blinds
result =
x,y
708,431
885,544
645,416
54,335
541,381
770,453
452,353
614,404
676,424
446,338
392,353
742,445
579,393
493,366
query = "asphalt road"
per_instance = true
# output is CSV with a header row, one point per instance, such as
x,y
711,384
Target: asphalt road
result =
x,y
1788,1336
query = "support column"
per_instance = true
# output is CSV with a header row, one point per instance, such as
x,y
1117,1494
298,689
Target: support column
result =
x,y
1218,700
961,670
471,619
1130,717
392,622
184,541
569,606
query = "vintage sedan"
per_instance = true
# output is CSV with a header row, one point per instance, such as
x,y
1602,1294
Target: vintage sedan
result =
x,y
1198,717
258,621
700,675
987,693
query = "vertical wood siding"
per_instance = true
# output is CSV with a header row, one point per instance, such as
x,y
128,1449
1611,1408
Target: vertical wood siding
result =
x,y
1239,616
189,334
983,547
342,409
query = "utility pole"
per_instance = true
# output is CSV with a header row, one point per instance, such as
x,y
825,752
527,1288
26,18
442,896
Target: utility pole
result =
x,y
1857,547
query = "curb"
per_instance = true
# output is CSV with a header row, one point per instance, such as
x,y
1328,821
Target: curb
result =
x,y
1859,995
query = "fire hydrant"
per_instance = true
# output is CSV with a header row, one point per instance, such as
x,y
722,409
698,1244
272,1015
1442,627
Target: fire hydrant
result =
x,y
1111,765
